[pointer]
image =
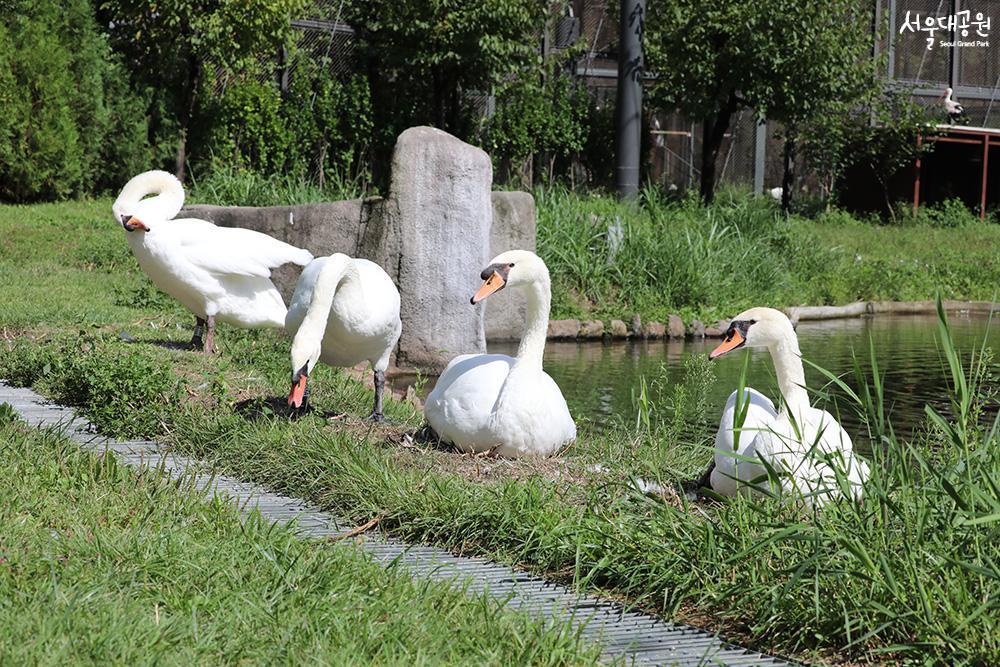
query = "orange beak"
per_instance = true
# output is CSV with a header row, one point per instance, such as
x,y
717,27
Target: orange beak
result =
x,y
131,224
492,284
297,393
727,345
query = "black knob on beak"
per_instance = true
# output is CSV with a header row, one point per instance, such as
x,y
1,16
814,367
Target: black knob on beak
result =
x,y
125,219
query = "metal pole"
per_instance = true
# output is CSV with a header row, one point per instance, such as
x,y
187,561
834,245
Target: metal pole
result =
x,y
628,110
759,156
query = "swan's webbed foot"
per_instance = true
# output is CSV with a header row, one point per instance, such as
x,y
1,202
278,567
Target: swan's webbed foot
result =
x,y
376,417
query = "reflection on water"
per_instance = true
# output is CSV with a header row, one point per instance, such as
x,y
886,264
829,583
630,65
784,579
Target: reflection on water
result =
x,y
599,379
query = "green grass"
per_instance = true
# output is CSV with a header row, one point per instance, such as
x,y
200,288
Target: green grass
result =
x,y
911,574
99,565
679,257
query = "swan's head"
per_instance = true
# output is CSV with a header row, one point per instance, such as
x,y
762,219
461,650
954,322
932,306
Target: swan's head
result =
x,y
305,354
757,327
514,268
136,211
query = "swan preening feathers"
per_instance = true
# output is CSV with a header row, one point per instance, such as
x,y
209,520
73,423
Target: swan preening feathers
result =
x,y
344,311
493,402
805,446
218,273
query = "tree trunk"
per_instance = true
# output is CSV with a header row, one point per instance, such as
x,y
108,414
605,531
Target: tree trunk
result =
x,y
788,178
713,132
192,81
437,81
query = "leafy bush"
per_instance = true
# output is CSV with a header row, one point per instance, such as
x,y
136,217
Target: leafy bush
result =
x,y
68,124
123,393
247,129
535,117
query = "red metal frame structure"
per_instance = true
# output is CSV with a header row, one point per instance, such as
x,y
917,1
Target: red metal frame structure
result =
x,y
957,134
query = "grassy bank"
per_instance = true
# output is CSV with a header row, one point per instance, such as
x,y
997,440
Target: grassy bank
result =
x,y
98,565
910,574
679,257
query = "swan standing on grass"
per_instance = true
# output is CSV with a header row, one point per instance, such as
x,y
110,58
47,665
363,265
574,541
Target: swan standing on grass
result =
x,y
344,311
484,402
218,273
803,444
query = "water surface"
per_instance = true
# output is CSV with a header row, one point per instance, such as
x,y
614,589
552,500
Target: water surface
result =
x,y
600,379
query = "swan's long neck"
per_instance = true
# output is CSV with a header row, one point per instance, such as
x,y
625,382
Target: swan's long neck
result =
x,y
791,377
168,193
309,338
529,352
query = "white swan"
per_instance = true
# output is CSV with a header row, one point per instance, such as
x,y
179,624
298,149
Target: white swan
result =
x,y
344,311
805,445
492,401
218,273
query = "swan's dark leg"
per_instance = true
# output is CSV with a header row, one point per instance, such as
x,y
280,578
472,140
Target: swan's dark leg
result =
x,y
376,414
197,342
210,335
705,482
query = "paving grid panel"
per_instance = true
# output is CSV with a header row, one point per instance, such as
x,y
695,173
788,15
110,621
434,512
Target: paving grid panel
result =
x,y
638,638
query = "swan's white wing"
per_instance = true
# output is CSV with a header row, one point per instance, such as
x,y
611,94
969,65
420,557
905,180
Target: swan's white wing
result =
x,y
729,470
460,405
234,251
811,449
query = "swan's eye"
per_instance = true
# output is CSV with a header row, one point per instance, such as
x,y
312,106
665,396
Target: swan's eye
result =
x,y
511,265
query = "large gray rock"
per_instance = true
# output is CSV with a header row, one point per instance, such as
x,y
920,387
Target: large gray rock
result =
x,y
513,228
675,326
439,200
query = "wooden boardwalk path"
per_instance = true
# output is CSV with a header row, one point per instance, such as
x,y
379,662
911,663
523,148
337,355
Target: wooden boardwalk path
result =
x,y
639,638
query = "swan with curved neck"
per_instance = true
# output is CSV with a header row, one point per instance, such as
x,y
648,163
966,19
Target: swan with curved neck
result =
x,y
219,274
494,402
344,311
805,445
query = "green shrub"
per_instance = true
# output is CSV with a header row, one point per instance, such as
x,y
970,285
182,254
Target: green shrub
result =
x,y
247,129
68,124
124,393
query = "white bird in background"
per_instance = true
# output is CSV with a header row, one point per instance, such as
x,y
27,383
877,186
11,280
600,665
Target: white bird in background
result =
x,y
806,446
218,273
776,193
344,311
485,402
952,107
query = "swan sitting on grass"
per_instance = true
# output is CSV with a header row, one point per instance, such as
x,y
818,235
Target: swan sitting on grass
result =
x,y
344,311
805,446
493,402
218,273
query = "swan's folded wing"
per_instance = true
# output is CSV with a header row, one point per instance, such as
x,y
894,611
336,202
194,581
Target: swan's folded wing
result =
x,y
235,251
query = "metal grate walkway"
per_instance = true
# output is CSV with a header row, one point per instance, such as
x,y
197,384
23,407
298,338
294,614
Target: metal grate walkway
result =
x,y
637,638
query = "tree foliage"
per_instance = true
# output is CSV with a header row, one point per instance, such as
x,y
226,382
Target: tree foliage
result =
x,y
786,59
167,45
421,56
68,125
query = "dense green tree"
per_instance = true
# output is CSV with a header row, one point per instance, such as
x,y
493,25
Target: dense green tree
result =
x,y
421,55
68,124
783,58
168,43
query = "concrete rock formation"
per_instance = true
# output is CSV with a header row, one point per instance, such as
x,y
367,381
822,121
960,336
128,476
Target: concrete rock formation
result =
x,y
433,234
564,329
592,329
675,326
619,329
439,201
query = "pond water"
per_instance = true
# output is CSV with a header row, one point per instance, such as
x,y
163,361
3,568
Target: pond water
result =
x,y
599,379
